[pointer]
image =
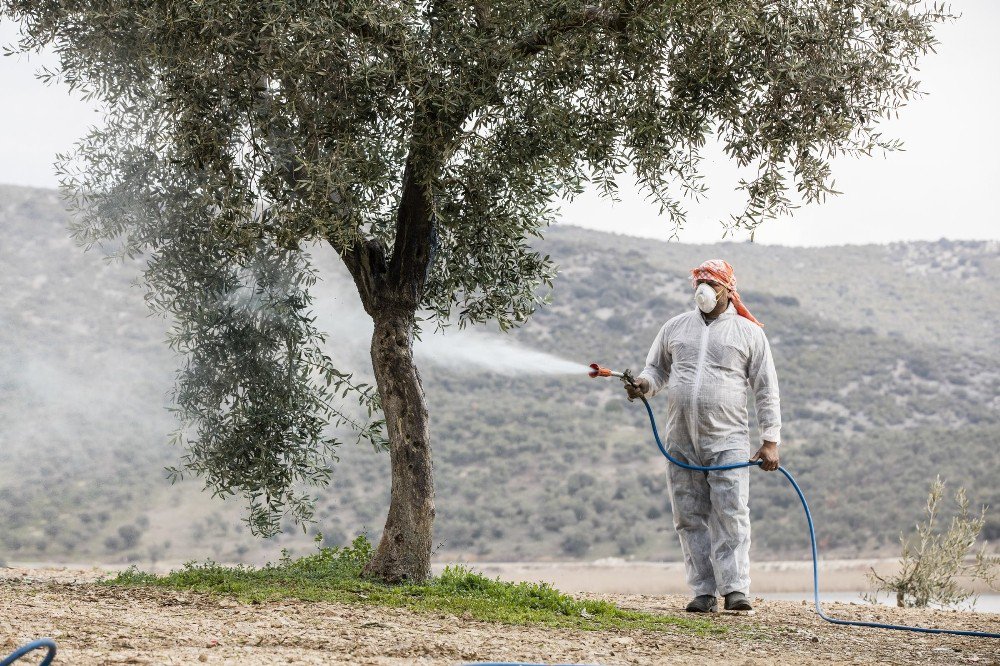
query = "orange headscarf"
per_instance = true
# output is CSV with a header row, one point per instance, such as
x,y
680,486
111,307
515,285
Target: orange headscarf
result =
x,y
720,271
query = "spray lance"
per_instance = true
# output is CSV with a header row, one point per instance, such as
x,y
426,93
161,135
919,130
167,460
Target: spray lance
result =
x,y
625,376
597,371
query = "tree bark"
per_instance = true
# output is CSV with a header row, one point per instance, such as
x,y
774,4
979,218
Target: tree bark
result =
x,y
391,289
403,553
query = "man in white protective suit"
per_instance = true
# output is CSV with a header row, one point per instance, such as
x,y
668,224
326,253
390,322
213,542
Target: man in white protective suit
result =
x,y
706,358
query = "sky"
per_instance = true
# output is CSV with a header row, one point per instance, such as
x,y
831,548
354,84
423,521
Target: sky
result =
x,y
941,186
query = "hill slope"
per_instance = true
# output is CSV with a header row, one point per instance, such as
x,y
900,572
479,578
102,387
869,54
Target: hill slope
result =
x,y
886,380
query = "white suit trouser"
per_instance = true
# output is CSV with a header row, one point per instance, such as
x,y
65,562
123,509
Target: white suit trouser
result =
x,y
712,519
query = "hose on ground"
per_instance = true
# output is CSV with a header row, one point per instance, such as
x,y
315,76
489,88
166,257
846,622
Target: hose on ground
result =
x,y
41,643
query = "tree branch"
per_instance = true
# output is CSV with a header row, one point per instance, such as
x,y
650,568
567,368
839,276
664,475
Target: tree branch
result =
x,y
591,15
366,262
379,35
433,130
484,22
414,227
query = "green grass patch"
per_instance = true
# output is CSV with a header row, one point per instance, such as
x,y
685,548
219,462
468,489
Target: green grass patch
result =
x,y
334,574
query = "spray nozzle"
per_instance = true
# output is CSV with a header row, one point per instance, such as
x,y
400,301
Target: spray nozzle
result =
x,y
597,371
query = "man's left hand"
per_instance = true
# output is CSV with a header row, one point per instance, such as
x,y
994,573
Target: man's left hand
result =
x,y
768,454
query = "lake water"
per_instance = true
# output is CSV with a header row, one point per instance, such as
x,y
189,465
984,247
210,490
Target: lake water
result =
x,y
986,603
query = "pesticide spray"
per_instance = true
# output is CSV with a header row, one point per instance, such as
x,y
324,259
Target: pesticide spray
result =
x,y
461,350
627,378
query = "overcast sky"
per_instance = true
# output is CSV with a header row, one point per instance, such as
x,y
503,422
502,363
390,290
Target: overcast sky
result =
x,y
943,185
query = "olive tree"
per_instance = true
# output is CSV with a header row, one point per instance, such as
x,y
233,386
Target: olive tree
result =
x,y
427,143
934,559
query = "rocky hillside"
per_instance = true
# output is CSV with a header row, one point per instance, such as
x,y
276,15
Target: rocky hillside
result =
x,y
888,377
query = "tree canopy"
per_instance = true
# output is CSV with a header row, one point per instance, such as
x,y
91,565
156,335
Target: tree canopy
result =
x,y
427,143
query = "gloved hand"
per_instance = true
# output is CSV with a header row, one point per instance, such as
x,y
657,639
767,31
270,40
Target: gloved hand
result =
x,y
637,391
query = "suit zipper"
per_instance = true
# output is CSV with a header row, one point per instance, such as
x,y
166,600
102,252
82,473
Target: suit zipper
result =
x,y
697,385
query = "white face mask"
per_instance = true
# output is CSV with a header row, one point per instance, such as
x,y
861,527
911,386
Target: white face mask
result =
x,y
705,297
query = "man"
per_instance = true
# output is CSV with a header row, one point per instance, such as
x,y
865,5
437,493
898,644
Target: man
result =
x,y
705,358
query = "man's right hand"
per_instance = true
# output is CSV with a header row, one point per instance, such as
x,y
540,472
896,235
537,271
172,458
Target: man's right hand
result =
x,y
638,390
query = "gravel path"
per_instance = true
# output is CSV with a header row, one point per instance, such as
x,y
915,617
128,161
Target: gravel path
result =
x,y
100,625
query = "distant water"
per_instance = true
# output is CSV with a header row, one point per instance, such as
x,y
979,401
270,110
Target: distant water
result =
x,y
986,603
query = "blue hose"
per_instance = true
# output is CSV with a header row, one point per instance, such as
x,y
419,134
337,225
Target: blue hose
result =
x,y
812,539
46,643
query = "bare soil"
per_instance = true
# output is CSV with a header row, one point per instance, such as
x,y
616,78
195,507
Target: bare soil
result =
x,y
101,625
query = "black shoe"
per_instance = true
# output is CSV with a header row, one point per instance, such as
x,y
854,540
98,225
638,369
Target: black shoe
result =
x,y
737,601
703,603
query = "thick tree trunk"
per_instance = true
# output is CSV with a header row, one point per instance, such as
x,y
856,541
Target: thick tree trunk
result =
x,y
404,552
391,288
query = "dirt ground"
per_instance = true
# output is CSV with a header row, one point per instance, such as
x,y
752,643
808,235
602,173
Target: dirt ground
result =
x,y
100,625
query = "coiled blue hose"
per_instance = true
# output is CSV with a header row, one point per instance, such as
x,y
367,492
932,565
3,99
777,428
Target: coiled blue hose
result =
x,y
812,539
46,643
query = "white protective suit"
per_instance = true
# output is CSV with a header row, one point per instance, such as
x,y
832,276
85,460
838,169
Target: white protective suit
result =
x,y
706,367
